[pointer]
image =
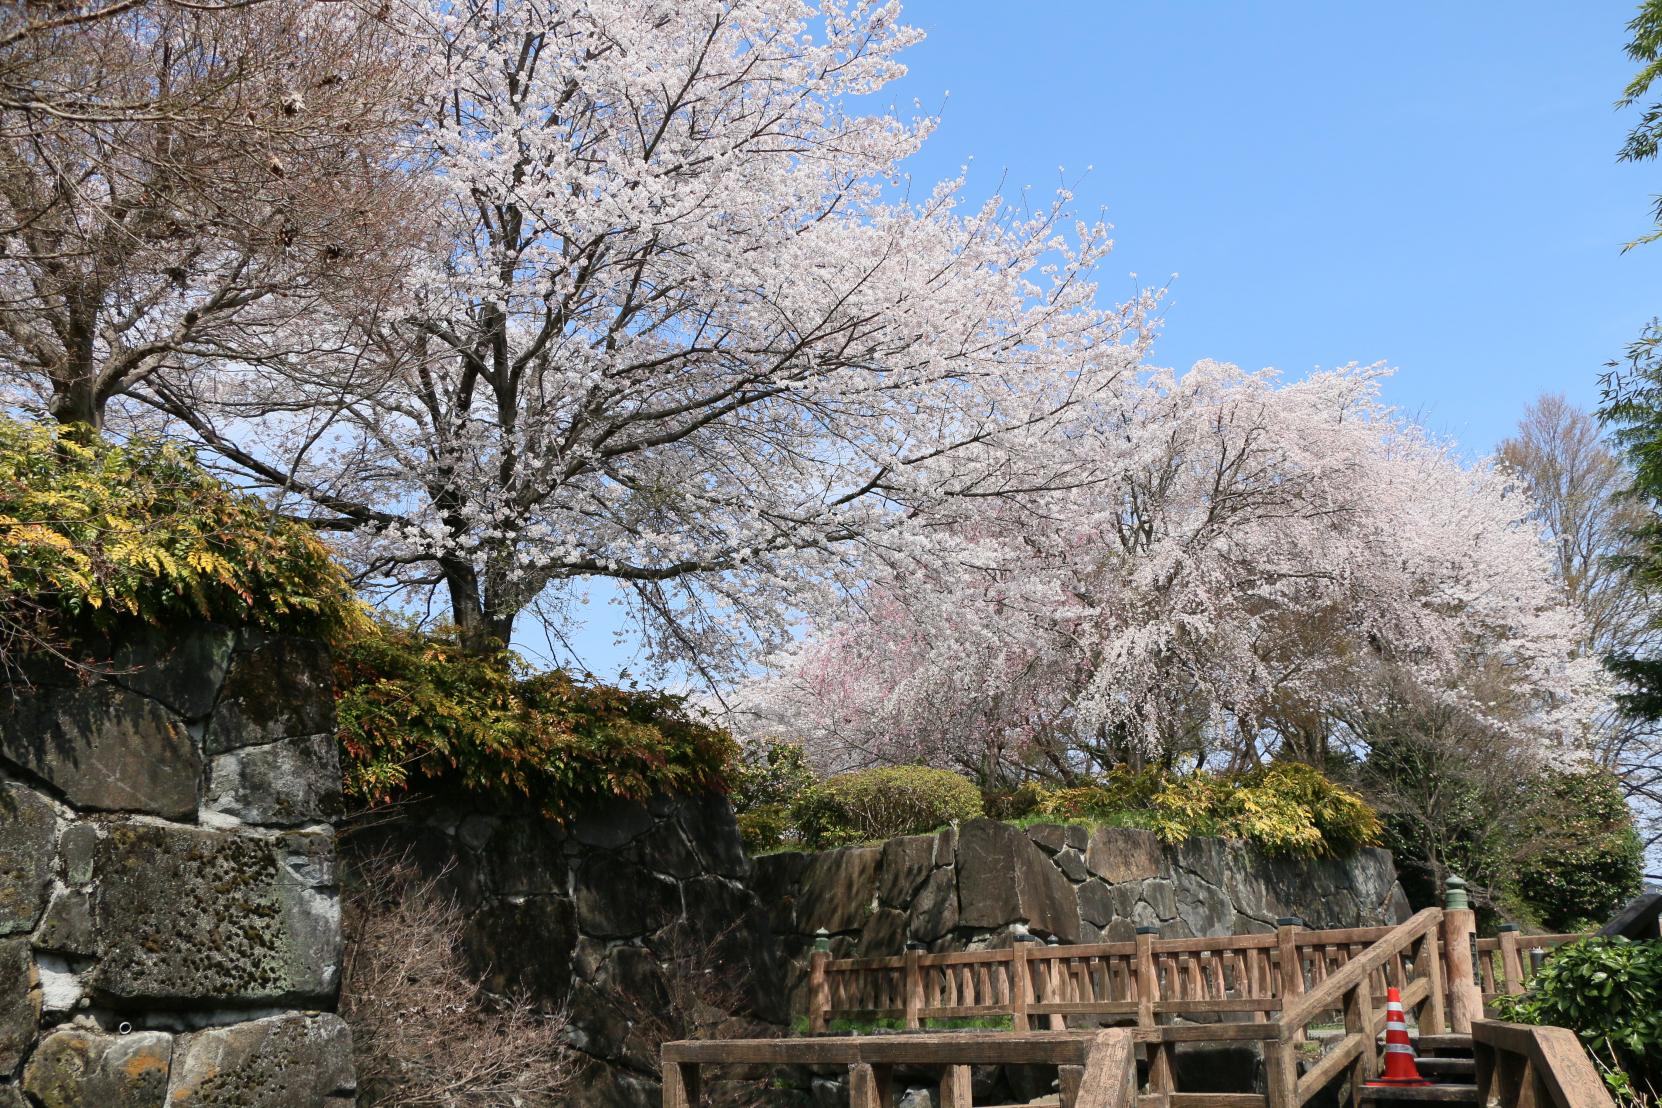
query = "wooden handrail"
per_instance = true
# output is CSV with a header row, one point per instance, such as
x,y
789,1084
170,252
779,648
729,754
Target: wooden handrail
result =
x,y
1329,993
1518,1065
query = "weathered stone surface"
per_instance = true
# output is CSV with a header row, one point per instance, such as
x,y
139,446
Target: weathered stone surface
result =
x,y
19,1003
935,909
285,783
83,1068
1096,905
1053,837
837,888
67,926
1203,906
294,1061
10,1097
182,666
524,946
884,935
27,828
714,831
611,823
616,900
277,688
75,847
1003,877
906,862
527,858
1072,864
104,748
191,915
1124,854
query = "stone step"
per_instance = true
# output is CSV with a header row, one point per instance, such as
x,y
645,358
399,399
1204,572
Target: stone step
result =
x,y
1438,1094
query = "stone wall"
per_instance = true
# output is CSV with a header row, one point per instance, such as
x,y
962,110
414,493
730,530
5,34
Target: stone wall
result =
x,y
625,918
169,924
963,888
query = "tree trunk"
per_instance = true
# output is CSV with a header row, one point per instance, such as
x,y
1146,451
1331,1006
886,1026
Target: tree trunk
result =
x,y
479,628
76,402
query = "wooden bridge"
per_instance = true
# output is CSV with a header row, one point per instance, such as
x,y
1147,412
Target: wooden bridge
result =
x,y
1313,1000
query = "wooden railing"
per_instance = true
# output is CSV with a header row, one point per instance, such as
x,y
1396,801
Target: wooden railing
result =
x,y
1151,979
1506,963
1405,957
1093,1071
1535,1066
1039,986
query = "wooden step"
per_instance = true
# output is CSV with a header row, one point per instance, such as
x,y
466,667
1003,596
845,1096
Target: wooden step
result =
x,y
1429,1043
1440,1094
1433,1065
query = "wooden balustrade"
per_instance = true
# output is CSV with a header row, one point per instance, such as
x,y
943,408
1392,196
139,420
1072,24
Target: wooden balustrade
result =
x,y
1403,957
1535,1067
1151,980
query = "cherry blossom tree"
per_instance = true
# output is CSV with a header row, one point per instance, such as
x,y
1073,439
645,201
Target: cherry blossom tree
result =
x,y
1270,567
181,182
683,324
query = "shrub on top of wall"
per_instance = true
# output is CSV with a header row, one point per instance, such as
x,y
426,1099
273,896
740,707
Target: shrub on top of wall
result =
x,y
1284,807
94,534
881,803
414,707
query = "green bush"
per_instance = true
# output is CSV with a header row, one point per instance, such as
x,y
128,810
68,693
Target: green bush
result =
x,y
881,803
766,782
416,708
1577,858
1608,991
1284,807
94,534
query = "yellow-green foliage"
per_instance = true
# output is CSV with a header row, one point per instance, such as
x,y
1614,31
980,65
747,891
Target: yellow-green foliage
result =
x,y
882,803
94,533
417,709
1284,807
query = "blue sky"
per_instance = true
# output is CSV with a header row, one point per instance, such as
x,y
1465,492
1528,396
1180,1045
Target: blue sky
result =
x,y
1429,185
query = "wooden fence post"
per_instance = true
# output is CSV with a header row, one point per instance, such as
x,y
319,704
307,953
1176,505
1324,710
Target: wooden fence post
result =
x,y
1054,977
914,986
1021,977
1465,1000
819,990
1292,964
1148,981
1510,962
955,1087
1433,1015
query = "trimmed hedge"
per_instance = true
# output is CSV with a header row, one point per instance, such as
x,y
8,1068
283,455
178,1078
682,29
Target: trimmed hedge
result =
x,y
417,708
94,534
881,803
1283,807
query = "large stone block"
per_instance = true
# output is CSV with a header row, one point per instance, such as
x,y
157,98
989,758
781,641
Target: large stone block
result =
x,y
293,1061
524,945
194,916
19,1003
1118,854
618,900
935,909
906,862
838,888
104,748
84,1068
285,783
1003,877
180,666
28,828
276,688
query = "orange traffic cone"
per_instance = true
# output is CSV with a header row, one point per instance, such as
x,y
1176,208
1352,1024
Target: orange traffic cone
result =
x,y
1399,1052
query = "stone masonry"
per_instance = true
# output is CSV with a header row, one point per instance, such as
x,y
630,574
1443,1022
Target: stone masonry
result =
x,y
963,889
169,924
